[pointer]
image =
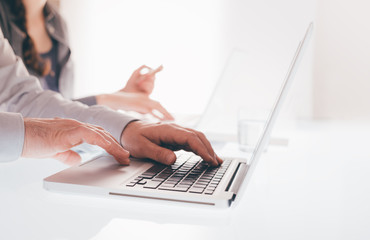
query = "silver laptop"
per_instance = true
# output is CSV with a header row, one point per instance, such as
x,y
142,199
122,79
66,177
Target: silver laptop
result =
x,y
188,180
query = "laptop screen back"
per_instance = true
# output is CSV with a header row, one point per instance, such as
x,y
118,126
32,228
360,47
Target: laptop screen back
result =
x,y
262,142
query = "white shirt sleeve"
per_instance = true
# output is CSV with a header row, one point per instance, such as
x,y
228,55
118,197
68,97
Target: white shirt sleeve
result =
x,y
22,93
11,136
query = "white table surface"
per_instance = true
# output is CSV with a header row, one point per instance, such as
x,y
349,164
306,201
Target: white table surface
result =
x,y
316,188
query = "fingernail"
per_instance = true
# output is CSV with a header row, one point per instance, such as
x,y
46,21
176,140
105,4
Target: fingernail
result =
x,y
213,161
219,160
170,159
126,153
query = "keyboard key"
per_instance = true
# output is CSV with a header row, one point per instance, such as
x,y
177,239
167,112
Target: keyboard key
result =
x,y
200,185
168,185
142,182
211,187
196,190
173,189
181,188
203,180
157,180
152,184
216,180
175,177
151,172
182,158
208,192
163,176
168,171
184,185
131,184
173,182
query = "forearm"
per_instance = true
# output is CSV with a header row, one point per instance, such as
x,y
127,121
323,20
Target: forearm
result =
x,y
48,104
89,101
23,94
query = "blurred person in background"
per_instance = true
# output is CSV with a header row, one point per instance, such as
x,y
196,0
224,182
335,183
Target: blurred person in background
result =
x,y
39,36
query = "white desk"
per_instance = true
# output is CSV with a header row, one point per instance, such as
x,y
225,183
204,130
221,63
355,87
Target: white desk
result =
x,y
317,188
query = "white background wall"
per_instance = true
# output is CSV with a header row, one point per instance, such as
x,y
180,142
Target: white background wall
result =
x,y
342,60
191,38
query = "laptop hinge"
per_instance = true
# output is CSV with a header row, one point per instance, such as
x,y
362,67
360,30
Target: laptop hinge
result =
x,y
237,179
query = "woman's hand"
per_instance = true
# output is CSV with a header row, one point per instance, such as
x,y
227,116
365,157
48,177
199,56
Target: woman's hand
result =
x,y
142,82
55,137
135,95
137,102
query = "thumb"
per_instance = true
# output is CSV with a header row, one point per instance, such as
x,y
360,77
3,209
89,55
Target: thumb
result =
x,y
68,157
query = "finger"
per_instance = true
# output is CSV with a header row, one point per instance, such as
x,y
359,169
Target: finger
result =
x,y
158,114
157,153
140,71
155,113
188,140
219,160
102,132
162,110
109,145
144,70
158,69
208,145
68,157
146,85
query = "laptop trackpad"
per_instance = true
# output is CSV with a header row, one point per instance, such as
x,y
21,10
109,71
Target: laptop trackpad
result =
x,y
103,171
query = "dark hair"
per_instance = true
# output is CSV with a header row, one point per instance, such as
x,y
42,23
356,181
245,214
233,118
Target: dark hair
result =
x,y
29,54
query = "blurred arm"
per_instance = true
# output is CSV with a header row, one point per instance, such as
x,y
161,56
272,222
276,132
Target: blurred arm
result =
x,y
21,93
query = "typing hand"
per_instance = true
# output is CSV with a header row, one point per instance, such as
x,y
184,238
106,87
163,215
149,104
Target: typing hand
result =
x,y
142,80
158,141
55,137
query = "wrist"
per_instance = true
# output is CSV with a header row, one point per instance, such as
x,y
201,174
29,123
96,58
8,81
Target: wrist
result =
x,y
28,133
102,99
126,131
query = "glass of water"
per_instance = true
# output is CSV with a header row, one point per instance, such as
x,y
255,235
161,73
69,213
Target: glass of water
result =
x,y
250,127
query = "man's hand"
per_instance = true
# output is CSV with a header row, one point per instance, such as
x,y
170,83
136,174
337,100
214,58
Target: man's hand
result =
x,y
137,102
55,137
158,141
140,82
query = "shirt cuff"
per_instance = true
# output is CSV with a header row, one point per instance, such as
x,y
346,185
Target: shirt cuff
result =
x,y
12,136
112,121
89,101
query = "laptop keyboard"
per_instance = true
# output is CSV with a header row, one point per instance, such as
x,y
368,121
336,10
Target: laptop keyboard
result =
x,y
188,174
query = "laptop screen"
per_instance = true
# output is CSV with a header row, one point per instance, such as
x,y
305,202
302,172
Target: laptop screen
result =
x,y
246,89
263,140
